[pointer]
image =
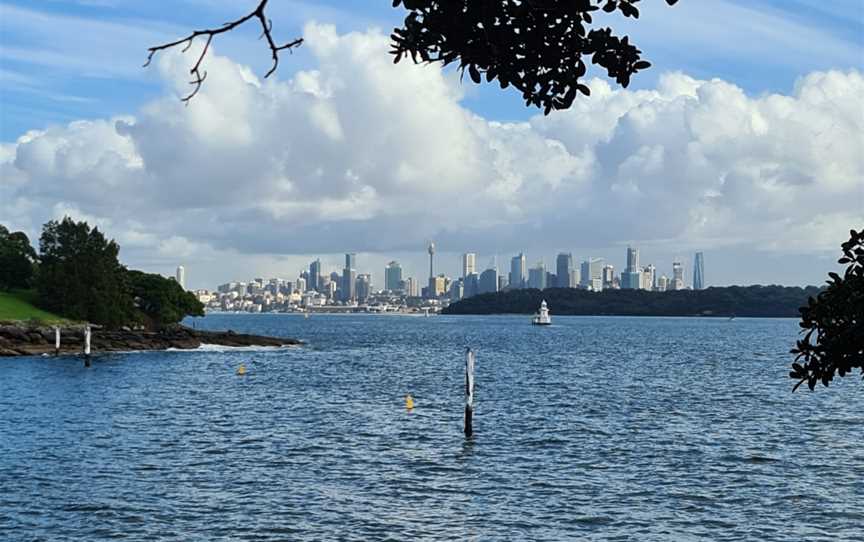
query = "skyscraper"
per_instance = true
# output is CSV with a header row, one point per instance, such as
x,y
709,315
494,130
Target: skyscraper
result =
x,y
181,276
470,285
518,271
469,264
364,287
349,278
563,267
631,278
537,277
677,281
649,275
699,272
592,274
488,282
315,276
393,277
608,276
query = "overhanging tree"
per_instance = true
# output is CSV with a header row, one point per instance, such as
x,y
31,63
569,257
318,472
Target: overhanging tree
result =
x,y
833,323
540,47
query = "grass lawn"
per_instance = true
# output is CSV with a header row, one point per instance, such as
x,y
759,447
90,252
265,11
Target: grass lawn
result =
x,y
18,305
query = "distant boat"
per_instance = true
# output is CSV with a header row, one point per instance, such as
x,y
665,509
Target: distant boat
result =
x,y
542,317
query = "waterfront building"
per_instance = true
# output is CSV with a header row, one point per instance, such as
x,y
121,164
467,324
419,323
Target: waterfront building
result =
x,y
180,276
662,283
300,285
537,277
699,272
315,282
592,274
488,281
469,264
518,272
393,277
502,283
563,270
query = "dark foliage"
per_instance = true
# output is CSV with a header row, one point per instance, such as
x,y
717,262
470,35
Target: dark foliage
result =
x,y
162,301
835,319
17,260
80,276
541,47
758,301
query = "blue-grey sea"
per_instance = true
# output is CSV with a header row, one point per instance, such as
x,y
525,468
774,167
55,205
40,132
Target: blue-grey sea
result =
x,y
645,429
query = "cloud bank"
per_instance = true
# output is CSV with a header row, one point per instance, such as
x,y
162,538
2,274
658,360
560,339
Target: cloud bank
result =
x,y
363,155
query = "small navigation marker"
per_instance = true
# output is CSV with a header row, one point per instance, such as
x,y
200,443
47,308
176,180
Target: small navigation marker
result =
x,y
469,392
87,346
241,370
409,402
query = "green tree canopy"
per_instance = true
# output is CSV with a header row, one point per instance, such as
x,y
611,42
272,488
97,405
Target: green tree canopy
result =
x,y
833,323
80,275
162,301
17,259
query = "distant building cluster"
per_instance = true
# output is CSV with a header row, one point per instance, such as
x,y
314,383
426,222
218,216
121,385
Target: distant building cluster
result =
x,y
351,291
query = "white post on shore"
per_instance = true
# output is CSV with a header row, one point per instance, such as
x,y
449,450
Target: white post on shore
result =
x,y
87,346
469,392
56,340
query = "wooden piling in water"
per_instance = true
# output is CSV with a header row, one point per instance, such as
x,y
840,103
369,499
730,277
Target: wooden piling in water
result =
x,y
469,393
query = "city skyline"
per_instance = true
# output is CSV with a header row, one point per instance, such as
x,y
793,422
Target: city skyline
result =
x,y
698,153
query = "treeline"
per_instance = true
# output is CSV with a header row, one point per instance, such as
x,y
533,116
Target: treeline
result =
x,y
77,274
759,301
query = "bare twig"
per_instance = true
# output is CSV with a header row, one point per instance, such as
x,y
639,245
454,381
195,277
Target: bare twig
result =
x,y
198,76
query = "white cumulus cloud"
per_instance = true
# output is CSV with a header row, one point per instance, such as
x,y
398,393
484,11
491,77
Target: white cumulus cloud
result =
x,y
363,155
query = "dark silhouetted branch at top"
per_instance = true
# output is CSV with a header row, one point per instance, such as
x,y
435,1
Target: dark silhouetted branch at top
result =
x,y
198,76
535,45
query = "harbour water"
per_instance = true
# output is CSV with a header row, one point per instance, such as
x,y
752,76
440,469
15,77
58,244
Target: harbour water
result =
x,y
590,429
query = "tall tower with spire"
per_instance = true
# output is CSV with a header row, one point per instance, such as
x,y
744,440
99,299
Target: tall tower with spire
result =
x,y
431,251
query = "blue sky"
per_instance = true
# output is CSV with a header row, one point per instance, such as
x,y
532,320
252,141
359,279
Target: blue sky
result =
x,y
62,60
744,140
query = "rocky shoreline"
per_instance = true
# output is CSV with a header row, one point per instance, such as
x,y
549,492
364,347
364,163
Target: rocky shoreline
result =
x,y
28,340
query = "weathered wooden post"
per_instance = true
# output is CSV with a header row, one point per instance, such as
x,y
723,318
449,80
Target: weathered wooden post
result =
x,y
87,346
56,340
469,392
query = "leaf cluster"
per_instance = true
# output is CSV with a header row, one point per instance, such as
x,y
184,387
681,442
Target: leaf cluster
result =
x,y
162,301
17,260
833,323
538,46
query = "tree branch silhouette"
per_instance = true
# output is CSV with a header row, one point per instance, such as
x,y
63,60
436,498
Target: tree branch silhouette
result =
x,y
198,76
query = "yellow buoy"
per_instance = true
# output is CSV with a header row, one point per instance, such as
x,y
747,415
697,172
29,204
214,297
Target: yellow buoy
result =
x,y
409,402
241,370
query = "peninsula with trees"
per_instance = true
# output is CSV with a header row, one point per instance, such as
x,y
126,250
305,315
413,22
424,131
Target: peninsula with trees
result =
x,y
76,281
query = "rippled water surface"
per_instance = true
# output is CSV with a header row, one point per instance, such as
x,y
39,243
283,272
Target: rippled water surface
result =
x,y
594,428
